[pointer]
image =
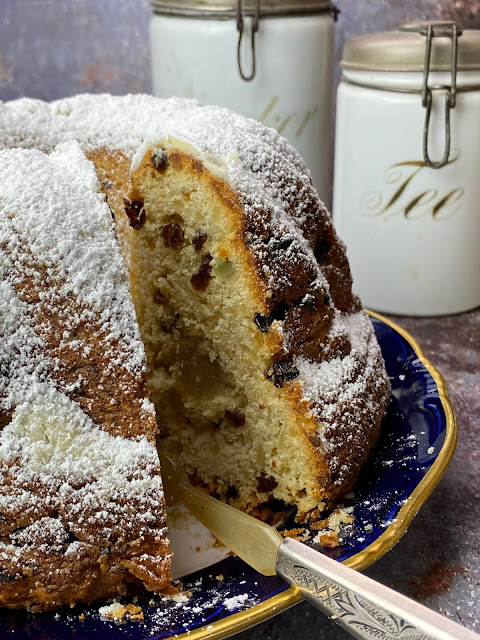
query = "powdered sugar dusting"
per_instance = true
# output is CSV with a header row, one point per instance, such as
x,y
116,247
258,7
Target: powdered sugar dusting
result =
x,y
50,439
336,387
96,121
70,486
321,381
83,258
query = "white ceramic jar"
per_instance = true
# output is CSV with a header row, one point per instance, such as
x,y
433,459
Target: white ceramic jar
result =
x,y
407,168
286,56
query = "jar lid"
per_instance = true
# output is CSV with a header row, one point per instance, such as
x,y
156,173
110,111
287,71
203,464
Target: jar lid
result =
x,y
228,8
404,50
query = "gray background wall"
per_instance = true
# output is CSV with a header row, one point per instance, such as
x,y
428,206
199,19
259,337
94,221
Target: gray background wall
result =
x,y
55,48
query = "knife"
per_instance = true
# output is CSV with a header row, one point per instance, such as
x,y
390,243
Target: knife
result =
x,y
363,607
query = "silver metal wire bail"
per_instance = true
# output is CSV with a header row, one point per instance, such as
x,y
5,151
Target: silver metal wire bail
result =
x,y
240,29
449,30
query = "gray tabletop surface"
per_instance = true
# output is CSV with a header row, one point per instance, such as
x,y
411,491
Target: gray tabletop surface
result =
x,y
52,48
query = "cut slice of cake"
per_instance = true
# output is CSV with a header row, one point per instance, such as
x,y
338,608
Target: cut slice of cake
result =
x,y
264,369
81,503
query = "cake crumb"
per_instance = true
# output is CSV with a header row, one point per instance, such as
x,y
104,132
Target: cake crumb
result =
x,y
217,543
117,611
302,535
180,597
338,517
330,527
291,533
310,516
329,539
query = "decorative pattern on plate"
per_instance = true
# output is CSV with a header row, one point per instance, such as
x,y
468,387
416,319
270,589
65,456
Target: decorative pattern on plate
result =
x,y
418,439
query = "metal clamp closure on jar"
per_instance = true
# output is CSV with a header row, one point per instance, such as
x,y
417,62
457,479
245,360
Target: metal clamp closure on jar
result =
x,y
425,47
240,29
254,28
450,30
242,9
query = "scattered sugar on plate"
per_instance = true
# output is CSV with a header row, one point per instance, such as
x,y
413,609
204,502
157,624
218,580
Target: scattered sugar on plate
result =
x,y
234,603
178,597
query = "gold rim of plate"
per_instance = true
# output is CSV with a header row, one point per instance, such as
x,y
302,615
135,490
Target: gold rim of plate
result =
x,y
258,613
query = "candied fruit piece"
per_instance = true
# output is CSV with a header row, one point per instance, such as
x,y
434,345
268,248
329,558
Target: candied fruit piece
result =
x,y
224,269
263,322
176,159
199,240
135,212
173,236
159,159
201,279
281,372
265,483
160,298
235,418
277,313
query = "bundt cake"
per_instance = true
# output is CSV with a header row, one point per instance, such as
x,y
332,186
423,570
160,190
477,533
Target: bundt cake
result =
x,y
81,504
264,369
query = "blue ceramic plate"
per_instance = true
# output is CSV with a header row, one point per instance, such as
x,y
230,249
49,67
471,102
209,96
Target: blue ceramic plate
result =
x,y
418,439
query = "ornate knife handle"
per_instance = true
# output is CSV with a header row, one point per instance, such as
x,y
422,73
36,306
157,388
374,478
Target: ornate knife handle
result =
x,y
363,607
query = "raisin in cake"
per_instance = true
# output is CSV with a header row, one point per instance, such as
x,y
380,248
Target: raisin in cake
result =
x,y
264,369
81,502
